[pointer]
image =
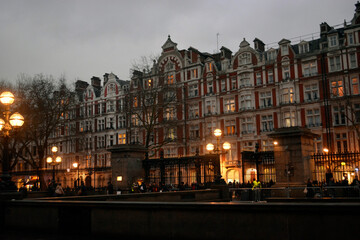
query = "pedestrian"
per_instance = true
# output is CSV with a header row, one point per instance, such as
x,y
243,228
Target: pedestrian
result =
x,y
59,191
309,188
256,188
110,188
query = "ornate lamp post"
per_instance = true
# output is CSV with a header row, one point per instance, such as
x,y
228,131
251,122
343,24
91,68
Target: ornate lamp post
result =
x,y
215,149
77,165
9,123
54,160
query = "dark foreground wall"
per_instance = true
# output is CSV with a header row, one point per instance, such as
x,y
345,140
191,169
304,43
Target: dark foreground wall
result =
x,y
149,220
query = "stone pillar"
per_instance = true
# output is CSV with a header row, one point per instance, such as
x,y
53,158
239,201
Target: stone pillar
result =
x,y
127,162
292,155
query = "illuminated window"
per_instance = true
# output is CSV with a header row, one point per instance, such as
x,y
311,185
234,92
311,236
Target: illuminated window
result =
x,y
210,67
355,85
194,110
170,113
134,120
229,105
194,73
337,89
287,95
230,127
289,119
170,79
171,133
135,104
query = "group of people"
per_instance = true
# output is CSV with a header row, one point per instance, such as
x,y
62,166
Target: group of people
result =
x,y
328,187
56,190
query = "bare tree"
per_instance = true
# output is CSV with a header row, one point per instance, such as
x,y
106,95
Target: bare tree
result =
x,y
151,104
45,101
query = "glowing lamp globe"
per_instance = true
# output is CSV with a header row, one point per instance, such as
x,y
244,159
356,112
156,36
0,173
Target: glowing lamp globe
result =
x,y
7,98
226,146
2,123
75,165
217,132
16,120
49,160
210,147
54,149
58,159
326,150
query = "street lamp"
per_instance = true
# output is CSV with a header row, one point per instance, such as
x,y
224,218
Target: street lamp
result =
x,y
9,123
54,160
216,150
77,165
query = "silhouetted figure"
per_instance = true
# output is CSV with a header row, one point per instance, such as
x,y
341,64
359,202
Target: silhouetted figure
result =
x,y
110,188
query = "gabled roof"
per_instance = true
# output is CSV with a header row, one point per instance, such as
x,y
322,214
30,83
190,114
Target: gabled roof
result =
x,y
169,44
283,41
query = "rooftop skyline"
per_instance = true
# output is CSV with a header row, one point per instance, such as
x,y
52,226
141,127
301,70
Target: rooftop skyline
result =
x,y
81,39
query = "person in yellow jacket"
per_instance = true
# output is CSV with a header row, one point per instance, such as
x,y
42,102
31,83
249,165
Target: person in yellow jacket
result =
x,y
256,188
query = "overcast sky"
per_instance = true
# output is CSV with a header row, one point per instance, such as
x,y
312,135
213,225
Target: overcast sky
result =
x,y
85,38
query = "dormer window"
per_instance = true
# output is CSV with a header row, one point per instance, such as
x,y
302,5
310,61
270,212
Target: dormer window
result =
x,y
333,41
286,68
271,55
350,38
284,50
89,93
194,73
135,83
111,89
210,67
303,48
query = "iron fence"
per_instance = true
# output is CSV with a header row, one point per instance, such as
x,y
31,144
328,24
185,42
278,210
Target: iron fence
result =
x,y
342,166
188,170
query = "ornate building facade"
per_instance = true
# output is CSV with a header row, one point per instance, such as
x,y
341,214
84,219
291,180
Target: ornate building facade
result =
x,y
186,94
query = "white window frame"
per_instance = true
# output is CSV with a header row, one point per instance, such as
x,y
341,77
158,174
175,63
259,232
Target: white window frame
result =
x,y
313,118
265,99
